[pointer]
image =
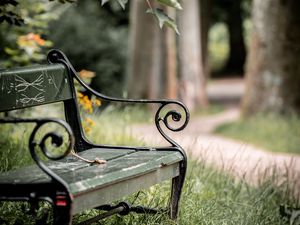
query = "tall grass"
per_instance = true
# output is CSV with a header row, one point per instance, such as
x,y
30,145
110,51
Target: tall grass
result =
x,y
270,131
209,196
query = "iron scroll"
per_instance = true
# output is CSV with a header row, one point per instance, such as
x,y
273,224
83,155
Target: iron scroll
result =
x,y
56,56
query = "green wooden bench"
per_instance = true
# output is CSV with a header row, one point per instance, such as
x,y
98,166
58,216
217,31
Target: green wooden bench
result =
x,y
69,183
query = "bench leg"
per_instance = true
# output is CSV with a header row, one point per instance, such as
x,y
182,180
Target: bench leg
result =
x,y
177,185
62,215
62,208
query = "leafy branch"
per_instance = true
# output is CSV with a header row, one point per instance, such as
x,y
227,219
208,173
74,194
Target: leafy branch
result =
x,y
162,17
9,12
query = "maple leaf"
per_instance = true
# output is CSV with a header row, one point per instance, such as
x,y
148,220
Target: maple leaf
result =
x,y
172,3
163,19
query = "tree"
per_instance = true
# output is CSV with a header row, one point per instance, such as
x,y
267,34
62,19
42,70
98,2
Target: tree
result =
x,y
145,54
191,70
205,22
273,68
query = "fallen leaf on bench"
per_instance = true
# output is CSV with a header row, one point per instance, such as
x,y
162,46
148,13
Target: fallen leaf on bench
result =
x,y
99,161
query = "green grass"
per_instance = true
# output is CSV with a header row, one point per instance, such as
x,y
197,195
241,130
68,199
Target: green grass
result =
x,y
272,132
212,109
13,147
111,125
209,196
212,197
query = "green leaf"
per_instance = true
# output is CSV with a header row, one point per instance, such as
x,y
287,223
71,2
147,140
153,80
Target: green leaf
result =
x,y
121,2
172,3
163,19
10,51
104,2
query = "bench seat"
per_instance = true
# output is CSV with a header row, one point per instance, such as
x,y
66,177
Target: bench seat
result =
x,y
125,172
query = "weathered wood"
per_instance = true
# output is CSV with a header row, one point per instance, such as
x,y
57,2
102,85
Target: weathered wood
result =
x,y
123,188
31,86
125,172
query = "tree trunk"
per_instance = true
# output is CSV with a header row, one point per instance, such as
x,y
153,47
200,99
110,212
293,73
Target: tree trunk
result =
x,y
191,70
171,59
145,44
205,20
273,68
237,49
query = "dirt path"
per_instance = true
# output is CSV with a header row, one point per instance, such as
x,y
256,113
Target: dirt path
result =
x,y
240,159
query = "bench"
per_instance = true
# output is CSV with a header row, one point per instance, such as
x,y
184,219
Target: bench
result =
x,y
65,180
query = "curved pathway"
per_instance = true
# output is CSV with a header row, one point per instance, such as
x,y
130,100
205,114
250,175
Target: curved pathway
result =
x,y
240,159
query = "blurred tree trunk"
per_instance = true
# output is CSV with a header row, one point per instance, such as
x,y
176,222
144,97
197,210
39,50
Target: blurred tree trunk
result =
x,y
205,20
237,49
145,52
191,70
273,68
171,59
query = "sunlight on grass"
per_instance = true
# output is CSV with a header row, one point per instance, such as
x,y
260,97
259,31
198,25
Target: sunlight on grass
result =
x,y
272,132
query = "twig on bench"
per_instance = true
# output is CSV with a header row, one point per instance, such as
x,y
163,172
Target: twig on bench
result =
x,y
96,160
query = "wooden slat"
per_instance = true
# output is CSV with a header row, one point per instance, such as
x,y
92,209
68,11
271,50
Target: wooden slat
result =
x,y
31,86
125,172
33,174
123,168
115,191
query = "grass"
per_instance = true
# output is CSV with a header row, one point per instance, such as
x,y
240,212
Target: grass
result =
x,y
212,197
212,109
111,125
270,131
209,196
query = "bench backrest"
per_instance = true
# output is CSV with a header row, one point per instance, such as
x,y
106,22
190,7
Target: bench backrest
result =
x,y
39,85
32,86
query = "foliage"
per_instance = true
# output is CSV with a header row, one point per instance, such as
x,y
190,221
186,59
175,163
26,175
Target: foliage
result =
x,y
103,42
8,14
271,131
163,19
27,44
218,48
9,11
159,13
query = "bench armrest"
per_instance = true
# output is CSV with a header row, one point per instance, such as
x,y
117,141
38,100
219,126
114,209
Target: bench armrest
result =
x,y
162,115
39,142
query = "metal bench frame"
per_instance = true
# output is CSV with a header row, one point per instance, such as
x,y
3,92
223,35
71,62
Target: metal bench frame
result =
x,y
57,191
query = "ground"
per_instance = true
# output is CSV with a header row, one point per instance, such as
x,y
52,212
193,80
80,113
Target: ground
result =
x,y
240,159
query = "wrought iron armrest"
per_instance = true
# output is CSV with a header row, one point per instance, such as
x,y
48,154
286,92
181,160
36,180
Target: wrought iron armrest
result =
x,y
56,139
162,115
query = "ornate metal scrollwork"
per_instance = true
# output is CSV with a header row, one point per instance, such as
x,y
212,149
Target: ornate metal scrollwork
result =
x,y
56,141
56,56
173,115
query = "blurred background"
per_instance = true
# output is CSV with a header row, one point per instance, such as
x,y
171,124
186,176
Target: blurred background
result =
x,y
235,64
229,53
255,42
